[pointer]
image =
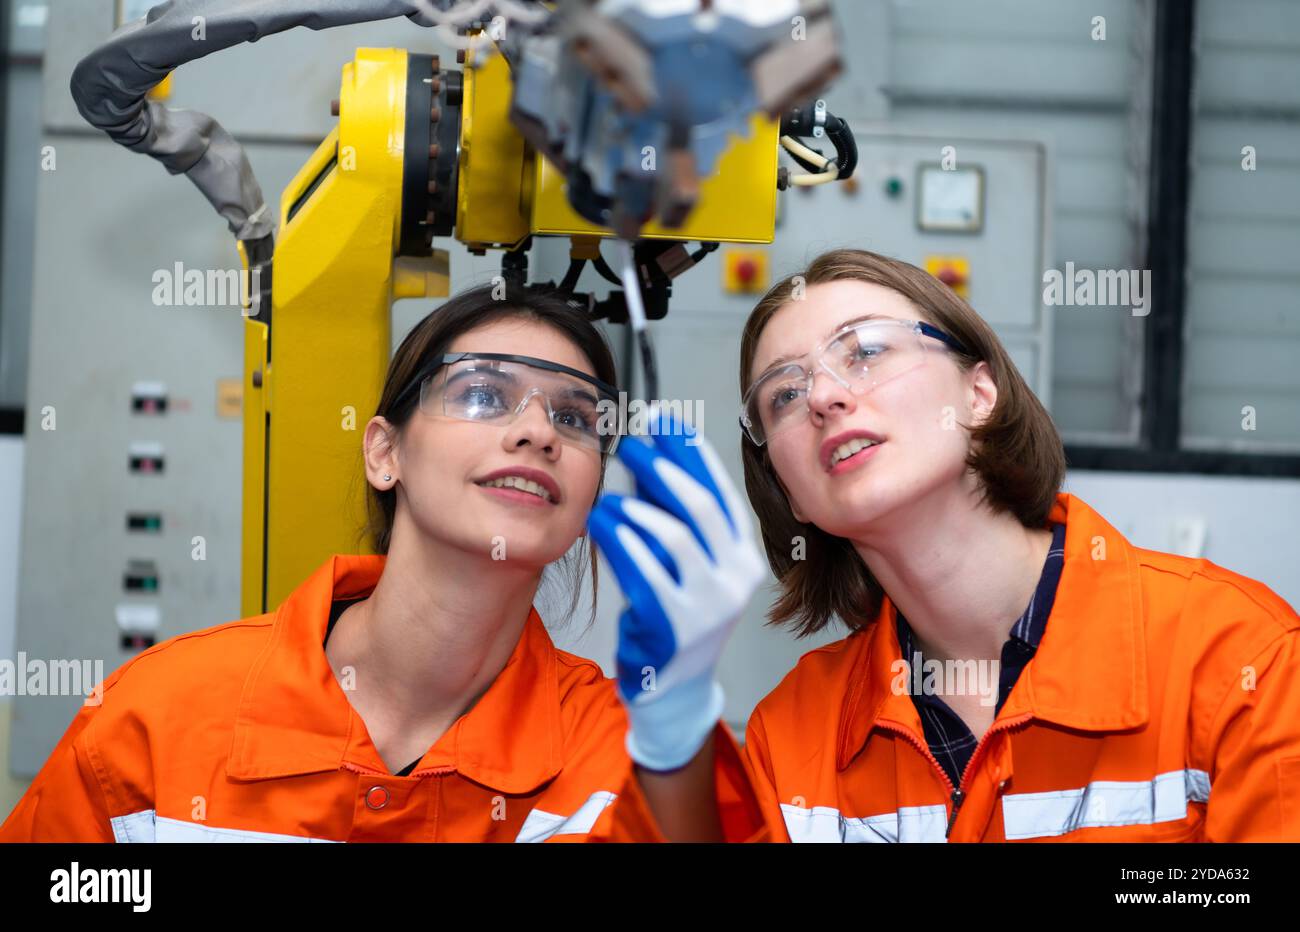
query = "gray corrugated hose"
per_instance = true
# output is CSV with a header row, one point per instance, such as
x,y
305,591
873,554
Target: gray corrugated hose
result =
x,y
109,86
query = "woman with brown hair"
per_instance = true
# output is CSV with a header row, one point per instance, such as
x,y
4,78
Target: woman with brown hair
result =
x,y
414,694
1015,669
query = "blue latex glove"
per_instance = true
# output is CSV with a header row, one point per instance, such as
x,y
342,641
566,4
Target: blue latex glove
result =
x,y
684,554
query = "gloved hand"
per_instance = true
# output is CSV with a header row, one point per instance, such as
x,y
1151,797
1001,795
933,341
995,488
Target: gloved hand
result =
x,y
684,553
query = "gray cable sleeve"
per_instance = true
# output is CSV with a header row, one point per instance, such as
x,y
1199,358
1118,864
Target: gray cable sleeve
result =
x,y
109,86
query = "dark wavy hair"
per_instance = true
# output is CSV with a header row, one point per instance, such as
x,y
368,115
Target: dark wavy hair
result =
x,y
431,338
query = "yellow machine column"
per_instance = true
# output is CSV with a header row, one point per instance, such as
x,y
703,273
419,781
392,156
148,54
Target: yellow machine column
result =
x,y
314,372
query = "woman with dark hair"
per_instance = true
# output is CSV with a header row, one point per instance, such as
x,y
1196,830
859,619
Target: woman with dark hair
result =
x,y
1015,668
413,694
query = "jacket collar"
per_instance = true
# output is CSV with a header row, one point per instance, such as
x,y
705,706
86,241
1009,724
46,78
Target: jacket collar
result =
x,y
294,717
1090,670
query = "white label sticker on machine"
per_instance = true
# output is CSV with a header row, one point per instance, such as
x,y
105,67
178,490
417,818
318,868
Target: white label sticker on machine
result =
x,y
138,619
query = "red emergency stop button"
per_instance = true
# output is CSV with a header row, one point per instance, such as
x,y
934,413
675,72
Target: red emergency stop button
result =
x,y
744,271
953,271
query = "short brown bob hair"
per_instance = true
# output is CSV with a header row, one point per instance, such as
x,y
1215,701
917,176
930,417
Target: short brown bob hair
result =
x,y
1016,453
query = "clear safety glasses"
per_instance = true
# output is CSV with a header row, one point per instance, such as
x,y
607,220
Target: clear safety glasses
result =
x,y
859,356
495,388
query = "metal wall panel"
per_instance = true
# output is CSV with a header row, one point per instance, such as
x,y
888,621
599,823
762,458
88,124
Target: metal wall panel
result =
x,y
1013,68
1243,296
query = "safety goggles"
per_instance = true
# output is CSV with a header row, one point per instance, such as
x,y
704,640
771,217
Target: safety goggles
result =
x,y
859,356
495,388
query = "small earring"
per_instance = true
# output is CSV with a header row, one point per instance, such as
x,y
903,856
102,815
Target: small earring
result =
x,y
387,477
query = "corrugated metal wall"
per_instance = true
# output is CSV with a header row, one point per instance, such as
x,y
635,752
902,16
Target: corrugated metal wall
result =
x,y
1243,308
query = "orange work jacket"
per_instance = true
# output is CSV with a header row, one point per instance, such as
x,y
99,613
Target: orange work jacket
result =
x,y
1162,704
241,732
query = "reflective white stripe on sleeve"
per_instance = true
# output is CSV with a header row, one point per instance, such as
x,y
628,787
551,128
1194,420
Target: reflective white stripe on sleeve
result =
x,y
540,825
146,826
136,827
1104,803
824,824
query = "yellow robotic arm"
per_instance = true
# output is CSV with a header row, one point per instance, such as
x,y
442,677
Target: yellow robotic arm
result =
x,y
587,119
339,265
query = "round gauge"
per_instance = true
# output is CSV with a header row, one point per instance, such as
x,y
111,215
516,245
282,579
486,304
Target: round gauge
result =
x,y
950,200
